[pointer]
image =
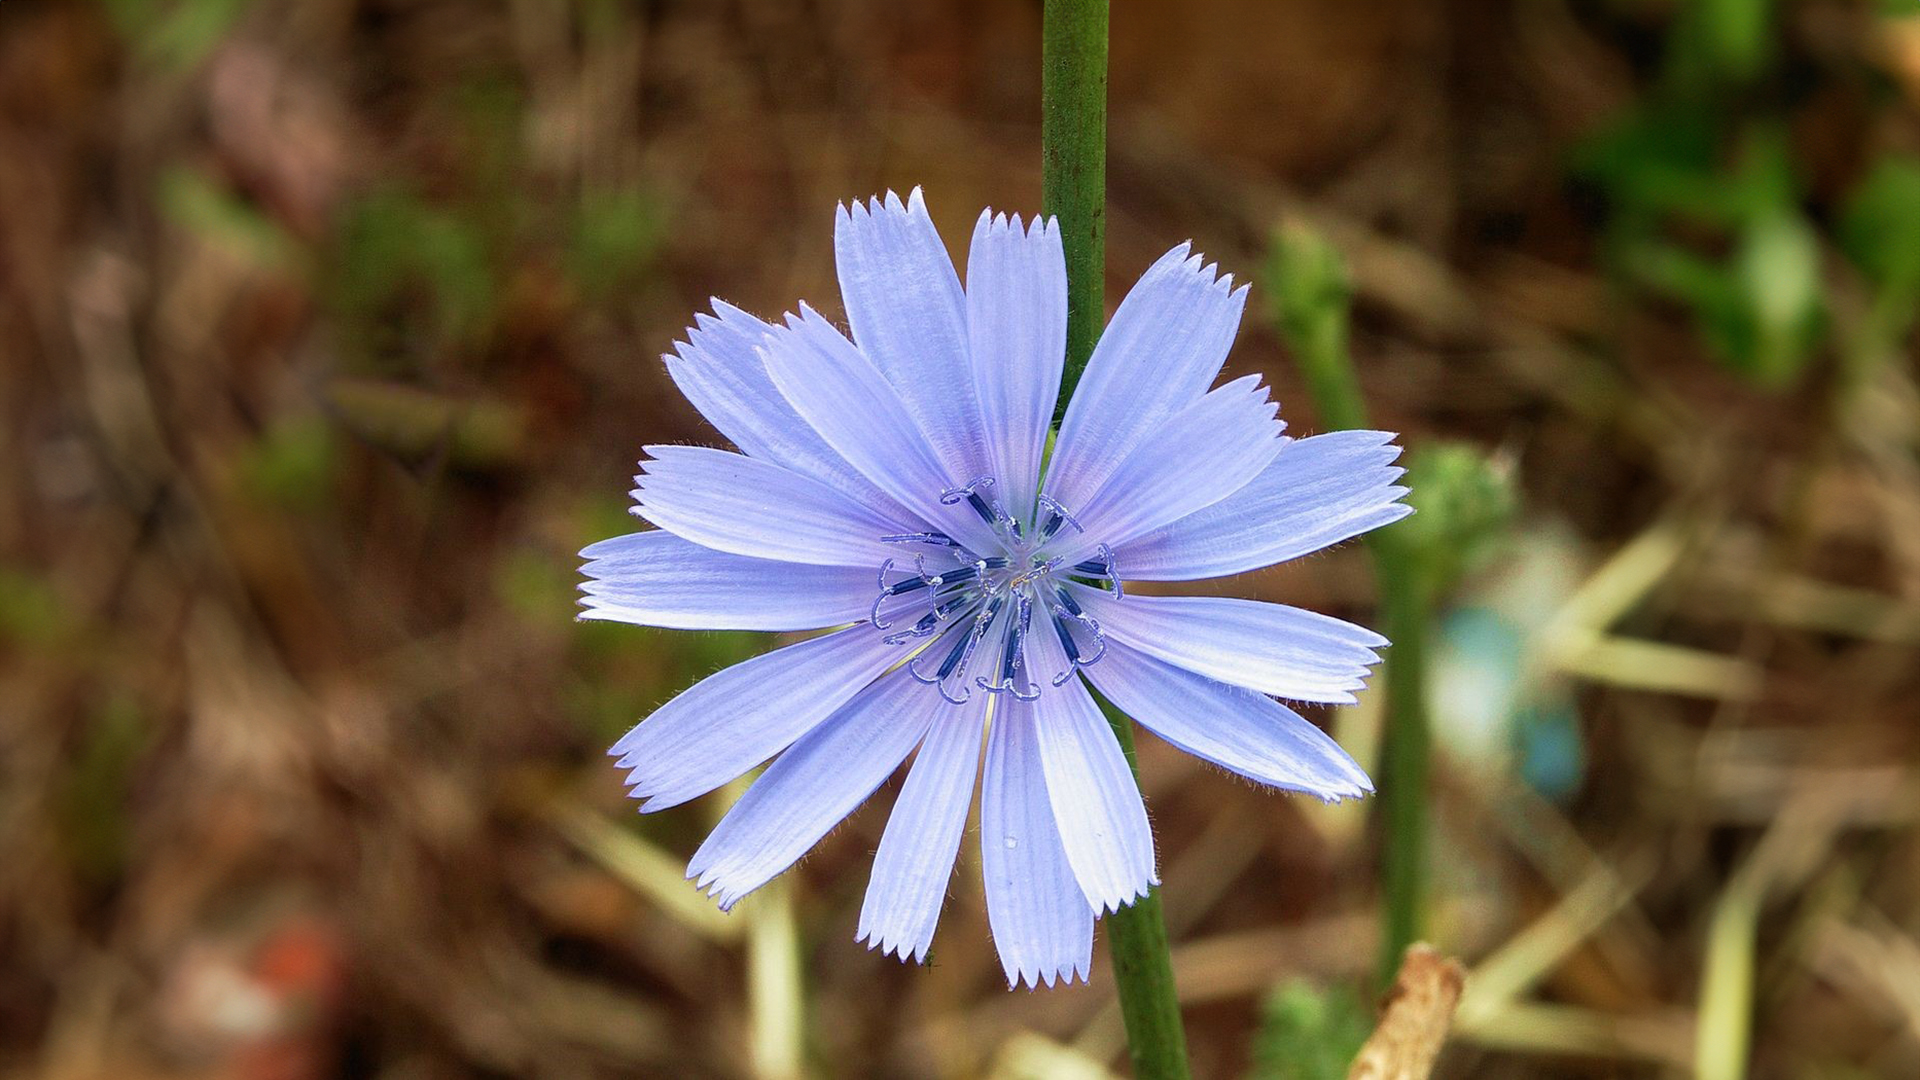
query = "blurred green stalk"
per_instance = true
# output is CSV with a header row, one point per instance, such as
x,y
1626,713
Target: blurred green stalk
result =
x,y
1312,300
775,989
1073,149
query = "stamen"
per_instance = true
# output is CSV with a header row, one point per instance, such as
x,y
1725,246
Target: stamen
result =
x,y
1066,600
937,539
960,655
955,577
954,657
1033,573
1069,612
967,593
1057,516
1104,569
930,623
1011,658
970,492
898,588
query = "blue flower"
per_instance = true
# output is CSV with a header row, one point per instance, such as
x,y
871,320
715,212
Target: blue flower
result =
x,y
892,486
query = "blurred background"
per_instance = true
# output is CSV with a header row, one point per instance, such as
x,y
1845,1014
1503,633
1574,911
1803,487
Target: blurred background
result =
x,y
330,334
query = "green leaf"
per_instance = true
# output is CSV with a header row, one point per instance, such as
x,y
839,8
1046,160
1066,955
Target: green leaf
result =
x,y
196,202
1309,1033
420,266
615,236
292,464
1465,504
179,34
31,611
1778,325
1879,227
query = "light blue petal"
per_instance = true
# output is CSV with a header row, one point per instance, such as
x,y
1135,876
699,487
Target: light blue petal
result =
x,y
810,788
740,716
1206,452
1272,648
1096,800
835,388
909,316
1318,492
1161,351
719,369
1042,925
658,579
755,508
1248,733
915,860
1017,318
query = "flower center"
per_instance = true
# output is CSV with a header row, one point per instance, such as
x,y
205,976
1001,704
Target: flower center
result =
x,y
973,612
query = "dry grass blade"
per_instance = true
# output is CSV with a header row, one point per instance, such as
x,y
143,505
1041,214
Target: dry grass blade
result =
x,y
650,871
1414,1024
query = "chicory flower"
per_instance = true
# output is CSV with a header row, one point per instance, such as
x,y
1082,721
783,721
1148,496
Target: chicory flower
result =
x,y
896,489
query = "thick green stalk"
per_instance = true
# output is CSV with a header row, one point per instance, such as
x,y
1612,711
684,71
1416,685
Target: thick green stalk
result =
x,y
1073,148
1143,968
1073,166
1310,292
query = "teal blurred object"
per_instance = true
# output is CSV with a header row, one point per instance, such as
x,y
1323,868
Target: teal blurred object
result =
x,y
1499,709
1550,749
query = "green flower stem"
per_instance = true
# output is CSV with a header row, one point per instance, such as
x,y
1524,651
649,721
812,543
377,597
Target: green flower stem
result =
x,y
1143,967
1404,755
1073,166
1311,298
1073,148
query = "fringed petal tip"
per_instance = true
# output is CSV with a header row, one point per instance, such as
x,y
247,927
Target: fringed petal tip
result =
x,y
1032,228
1183,259
802,320
859,210
1038,978
907,952
646,789
1359,787
706,338
653,804
1127,897
713,880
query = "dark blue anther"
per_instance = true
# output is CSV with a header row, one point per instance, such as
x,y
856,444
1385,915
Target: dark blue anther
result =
x,y
1066,601
1103,568
954,577
1066,639
906,586
980,507
970,491
1010,657
953,655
